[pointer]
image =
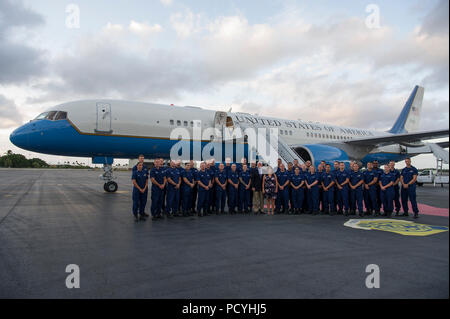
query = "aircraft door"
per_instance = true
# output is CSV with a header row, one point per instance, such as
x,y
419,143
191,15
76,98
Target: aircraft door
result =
x,y
103,118
220,119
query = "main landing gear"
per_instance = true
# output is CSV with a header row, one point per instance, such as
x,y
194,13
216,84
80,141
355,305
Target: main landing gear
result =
x,y
110,186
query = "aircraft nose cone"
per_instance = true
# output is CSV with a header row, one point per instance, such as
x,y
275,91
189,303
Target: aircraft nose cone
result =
x,y
19,138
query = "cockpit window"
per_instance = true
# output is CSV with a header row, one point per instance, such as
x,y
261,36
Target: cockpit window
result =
x,y
61,116
41,116
52,116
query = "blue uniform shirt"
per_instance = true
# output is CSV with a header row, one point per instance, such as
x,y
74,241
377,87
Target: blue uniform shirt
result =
x,y
379,171
282,177
369,176
342,176
221,176
245,176
311,178
234,176
319,176
204,177
144,168
408,173
296,179
212,172
174,175
158,174
194,172
328,178
356,177
387,178
227,169
396,173
140,177
189,175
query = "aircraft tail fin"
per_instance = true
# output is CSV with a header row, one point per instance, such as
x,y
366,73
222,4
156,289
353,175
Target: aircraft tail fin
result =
x,y
409,118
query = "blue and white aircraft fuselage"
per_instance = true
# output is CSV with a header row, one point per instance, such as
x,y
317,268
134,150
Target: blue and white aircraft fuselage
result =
x,y
107,129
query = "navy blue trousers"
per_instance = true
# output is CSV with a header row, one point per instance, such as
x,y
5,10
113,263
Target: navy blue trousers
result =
x,y
221,195
157,200
409,193
313,199
139,201
298,196
387,198
356,199
328,200
172,199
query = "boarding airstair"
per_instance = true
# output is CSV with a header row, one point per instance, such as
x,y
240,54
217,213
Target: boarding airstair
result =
x,y
276,146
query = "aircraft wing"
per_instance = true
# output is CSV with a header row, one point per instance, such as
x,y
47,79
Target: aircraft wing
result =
x,y
402,138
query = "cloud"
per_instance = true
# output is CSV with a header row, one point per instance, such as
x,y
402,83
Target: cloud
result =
x,y
338,71
166,2
18,62
9,113
436,21
144,29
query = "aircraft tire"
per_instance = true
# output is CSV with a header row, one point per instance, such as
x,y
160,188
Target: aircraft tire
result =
x,y
111,187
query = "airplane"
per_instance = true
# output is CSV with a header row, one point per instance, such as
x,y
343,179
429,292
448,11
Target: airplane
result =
x,y
108,129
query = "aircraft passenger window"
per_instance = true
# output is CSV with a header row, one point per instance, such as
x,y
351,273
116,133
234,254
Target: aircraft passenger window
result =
x,y
171,122
51,115
192,124
285,132
307,134
178,123
290,132
185,123
41,116
320,135
315,135
60,116
281,132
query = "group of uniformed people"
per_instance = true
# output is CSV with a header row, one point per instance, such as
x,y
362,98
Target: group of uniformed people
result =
x,y
185,191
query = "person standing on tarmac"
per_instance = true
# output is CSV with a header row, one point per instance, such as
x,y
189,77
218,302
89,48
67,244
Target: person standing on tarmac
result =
x,y
158,179
245,180
233,186
386,183
258,196
297,181
379,171
140,192
270,189
312,184
408,179
342,181
187,188
204,184
356,190
194,189
221,188
370,190
320,171
212,192
396,173
283,190
328,182
140,160
173,189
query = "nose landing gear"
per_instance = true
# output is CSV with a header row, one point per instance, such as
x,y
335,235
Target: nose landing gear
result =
x,y
110,186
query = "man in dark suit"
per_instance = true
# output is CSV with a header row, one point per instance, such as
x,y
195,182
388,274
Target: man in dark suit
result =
x,y
258,196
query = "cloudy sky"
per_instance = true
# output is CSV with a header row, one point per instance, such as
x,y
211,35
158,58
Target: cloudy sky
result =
x,y
325,61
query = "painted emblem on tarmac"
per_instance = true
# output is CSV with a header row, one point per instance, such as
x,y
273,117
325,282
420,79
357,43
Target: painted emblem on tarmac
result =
x,y
403,227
